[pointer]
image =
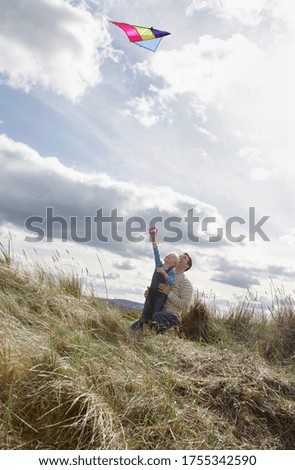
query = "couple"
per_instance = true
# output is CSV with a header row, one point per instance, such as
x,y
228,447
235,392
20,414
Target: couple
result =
x,y
170,291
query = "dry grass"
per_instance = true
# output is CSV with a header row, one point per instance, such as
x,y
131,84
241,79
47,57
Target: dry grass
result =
x,y
195,324
74,376
271,333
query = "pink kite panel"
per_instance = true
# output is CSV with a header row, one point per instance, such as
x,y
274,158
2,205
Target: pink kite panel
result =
x,y
129,30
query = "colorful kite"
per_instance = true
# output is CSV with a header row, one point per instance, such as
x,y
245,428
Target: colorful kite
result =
x,y
149,38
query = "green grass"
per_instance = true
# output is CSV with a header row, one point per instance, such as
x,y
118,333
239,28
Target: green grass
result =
x,y
74,376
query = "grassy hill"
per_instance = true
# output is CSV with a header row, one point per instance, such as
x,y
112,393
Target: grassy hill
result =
x,y
73,375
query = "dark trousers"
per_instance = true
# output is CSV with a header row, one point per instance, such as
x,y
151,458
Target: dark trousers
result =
x,y
153,303
164,320
155,300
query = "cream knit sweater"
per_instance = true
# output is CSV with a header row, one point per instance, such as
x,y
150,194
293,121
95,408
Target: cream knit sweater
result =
x,y
180,296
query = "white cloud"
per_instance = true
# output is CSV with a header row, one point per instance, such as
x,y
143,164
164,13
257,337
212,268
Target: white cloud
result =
x,y
250,154
235,89
124,265
143,109
246,12
289,238
202,153
250,12
261,174
30,183
52,43
205,132
206,69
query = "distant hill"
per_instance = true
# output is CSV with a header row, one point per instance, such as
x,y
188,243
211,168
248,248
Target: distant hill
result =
x,y
128,305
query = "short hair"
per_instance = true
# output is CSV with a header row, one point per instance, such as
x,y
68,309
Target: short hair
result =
x,y
189,262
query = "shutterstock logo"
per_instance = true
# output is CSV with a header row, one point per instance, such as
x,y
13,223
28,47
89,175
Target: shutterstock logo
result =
x,y
113,227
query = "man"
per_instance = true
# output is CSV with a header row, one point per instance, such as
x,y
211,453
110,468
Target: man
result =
x,y
163,274
179,296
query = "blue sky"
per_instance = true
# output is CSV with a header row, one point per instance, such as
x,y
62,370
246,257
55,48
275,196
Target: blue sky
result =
x,y
89,121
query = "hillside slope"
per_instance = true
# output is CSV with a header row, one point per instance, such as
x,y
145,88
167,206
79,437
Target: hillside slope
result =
x,y
73,376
